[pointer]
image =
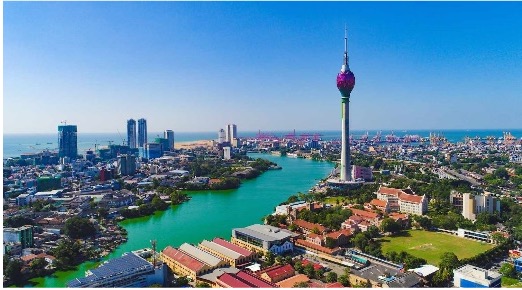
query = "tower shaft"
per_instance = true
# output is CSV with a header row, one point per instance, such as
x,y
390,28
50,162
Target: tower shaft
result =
x,y
345,146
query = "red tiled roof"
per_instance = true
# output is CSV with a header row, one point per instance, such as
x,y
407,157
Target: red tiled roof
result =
x,y
334,285
389,191
253,280
411,198
378,202
280,271
316,247
364,213
335,235
396,216
28,258
308,225
183,259
232,247
313,236
289,283
316,266
228,280
404,195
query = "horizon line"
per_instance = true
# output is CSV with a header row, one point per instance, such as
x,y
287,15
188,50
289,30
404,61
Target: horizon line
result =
x,y
283,130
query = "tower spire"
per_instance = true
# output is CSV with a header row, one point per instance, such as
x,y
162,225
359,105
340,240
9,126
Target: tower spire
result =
x,y
345,67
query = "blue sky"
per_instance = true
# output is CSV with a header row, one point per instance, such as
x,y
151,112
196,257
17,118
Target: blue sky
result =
x,y
197,66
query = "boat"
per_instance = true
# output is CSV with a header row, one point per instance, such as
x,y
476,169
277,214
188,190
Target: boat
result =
x,y
293,155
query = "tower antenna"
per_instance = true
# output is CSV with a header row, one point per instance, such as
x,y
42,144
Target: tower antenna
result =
x,y
346,47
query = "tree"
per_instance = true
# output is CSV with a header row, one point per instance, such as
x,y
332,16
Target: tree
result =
x,y
309,270
330,243
270,258
298,266
508,270
300,285
203,285
498,238
449,261
182,281
79,228
38,266
13,271
331,277
344,280
279,260
389,225
373,232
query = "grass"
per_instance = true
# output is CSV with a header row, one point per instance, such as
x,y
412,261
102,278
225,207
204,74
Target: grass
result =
x,y
511,282
431,245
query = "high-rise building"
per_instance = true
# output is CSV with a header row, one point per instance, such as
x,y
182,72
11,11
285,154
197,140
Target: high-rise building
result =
x,y
231,133
67,141
169,135
126,164
164,144
221,136
142,132
345,84
131,133
472,205
22,235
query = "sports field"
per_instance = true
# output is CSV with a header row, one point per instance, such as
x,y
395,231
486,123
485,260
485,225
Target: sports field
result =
x,y
431,245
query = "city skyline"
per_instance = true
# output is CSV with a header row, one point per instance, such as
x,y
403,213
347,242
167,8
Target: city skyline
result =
x,y
247,63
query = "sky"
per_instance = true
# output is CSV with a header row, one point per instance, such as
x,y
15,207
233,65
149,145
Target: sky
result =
x,y
197,66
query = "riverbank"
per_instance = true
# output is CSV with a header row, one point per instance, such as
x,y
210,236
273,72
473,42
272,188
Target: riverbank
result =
x,y
211,213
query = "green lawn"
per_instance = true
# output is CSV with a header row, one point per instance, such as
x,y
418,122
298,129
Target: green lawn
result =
x,y
431,245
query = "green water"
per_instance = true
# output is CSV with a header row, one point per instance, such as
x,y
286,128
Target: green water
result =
x,y
212,214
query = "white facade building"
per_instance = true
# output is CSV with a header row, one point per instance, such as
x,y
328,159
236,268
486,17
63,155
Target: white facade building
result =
x,y
472,205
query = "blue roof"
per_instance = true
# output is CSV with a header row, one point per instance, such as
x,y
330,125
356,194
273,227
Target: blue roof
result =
x,y
126,263
519,259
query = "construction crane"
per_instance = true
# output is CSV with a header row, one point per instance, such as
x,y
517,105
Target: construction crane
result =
x,y
122,140
64,122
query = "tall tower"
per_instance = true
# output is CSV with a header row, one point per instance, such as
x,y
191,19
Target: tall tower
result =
x,y
131,133
231,132
67,141
169,135
142,132
345,84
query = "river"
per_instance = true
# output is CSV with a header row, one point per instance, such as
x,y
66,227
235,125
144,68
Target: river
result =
x,y
212,214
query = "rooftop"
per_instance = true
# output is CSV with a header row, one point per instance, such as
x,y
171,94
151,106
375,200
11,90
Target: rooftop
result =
x,y
477,273
220,249
289,283
265,232
232,247
127,263
200,255
183,259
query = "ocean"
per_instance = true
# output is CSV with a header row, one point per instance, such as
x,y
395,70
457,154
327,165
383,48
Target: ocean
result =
x,y
16,144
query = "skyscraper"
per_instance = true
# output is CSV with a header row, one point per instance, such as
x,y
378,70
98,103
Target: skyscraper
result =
x,y
169,135
221,136
67,141
142,132
131,133
231,132
345,84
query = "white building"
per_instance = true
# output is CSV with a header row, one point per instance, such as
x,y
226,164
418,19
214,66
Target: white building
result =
x,y
231,132
403,200
481,236
472,205
226,153
221,136
469,276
